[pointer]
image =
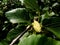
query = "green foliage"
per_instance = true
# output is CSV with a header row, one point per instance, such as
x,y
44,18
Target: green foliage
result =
x,y
32,4
16,17
19,15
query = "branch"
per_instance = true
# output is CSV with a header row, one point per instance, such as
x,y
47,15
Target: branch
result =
x,y
20,35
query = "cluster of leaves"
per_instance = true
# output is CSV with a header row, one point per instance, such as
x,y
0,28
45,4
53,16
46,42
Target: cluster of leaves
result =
x,y
15,16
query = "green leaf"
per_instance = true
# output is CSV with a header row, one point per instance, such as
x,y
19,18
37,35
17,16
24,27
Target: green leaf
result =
x,y
51,41
31,4
30,40
5,1
38,40
18,15
33,40
13,33
55,30
47,15
4,42
1,13
53,25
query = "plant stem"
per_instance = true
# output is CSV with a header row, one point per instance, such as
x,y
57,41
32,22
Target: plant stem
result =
x,y
20,35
